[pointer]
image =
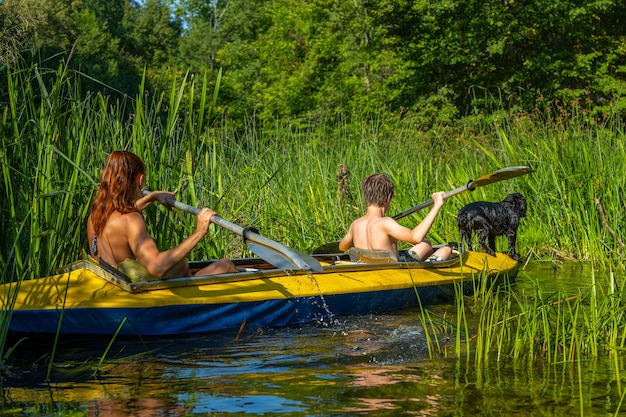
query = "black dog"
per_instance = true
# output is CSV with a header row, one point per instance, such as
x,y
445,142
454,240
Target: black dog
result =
x,y
489,220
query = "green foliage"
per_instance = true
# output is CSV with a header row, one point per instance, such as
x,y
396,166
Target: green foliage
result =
x,y
151,35
110,41
552,328
360,57
307,60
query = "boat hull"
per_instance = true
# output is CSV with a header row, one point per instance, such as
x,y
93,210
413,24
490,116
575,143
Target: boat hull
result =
x,y
87,299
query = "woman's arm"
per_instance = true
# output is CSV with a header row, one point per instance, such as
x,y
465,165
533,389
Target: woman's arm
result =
x,y
161,196
145,249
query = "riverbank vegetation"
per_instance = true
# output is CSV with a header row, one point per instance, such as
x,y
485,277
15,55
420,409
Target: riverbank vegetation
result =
x,y
294,59
499,322
506,329
287,182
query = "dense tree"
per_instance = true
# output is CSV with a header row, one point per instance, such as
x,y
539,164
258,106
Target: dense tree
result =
x,y
152,34
111,41
17,22
292,58
493,51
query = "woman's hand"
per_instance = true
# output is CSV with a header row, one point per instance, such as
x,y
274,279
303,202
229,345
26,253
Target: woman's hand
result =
x,y
164,198
204,220
161,196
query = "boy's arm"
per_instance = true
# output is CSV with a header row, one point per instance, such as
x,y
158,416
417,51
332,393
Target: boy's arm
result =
x,y
419,232
347,241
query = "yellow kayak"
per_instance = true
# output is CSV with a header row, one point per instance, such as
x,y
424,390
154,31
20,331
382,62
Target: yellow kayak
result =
x,y
86,298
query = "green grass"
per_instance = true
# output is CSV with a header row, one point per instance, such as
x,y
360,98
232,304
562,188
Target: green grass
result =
x,y
282,180
551,328
500,328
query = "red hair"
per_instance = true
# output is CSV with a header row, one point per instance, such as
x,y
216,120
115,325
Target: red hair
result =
x,y
118,187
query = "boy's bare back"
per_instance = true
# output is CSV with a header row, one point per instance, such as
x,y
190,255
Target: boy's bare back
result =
x,y
369,232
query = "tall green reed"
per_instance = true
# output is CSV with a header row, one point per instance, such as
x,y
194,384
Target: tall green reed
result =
x,y
285,180
501,329
550,328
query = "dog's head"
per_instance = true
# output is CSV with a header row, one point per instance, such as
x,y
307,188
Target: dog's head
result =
x,y
517,203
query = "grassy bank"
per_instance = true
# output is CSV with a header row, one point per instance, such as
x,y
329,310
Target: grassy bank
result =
x,y
284,180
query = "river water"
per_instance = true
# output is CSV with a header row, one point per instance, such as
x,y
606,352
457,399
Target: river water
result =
x,y
361,365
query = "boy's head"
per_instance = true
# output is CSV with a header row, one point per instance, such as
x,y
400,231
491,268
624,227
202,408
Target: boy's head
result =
x,y
377,190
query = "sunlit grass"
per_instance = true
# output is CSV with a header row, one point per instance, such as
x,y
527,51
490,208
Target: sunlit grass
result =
x,y
498,329
284,180
498,325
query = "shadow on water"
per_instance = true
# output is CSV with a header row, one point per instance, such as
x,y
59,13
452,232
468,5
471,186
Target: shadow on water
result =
x,y
374,365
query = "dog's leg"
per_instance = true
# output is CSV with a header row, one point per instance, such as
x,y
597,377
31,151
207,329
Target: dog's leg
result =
x,y
492,242
483,234
512,242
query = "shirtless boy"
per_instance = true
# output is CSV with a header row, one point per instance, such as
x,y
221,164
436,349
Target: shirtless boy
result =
x,y
375,231
117,232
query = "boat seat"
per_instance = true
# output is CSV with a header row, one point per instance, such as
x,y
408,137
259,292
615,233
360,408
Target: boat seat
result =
x,y
368,256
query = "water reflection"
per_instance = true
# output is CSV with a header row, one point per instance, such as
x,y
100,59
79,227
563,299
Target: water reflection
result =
x,y
142,407
375,392
566,277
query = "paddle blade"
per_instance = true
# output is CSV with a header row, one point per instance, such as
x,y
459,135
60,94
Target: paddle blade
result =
x,y
500,175
294,261
271,257
332,247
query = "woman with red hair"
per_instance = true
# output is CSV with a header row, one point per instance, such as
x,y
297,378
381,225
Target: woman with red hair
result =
x,y
118,234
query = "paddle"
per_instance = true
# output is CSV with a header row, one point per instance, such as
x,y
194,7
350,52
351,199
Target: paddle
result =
x,y
272,252
496,176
